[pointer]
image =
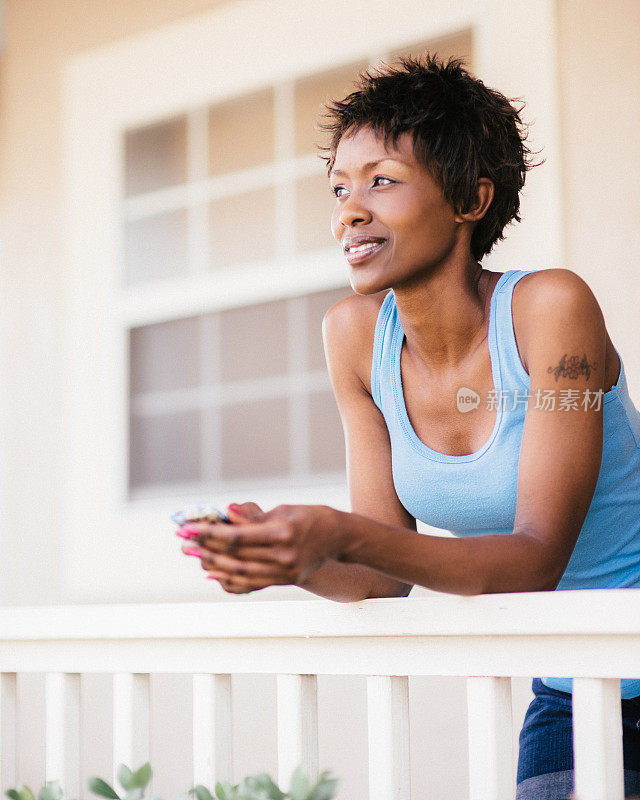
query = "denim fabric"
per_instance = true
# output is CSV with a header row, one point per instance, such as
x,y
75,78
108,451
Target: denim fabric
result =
x,y
545,762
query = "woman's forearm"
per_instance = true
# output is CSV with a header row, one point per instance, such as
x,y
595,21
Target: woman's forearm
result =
x,y
349,583
475,565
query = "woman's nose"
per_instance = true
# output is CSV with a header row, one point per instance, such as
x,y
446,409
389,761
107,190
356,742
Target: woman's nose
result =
x,y
354,211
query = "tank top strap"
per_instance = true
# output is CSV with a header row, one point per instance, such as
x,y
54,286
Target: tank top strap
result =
x,y
511,368
385,325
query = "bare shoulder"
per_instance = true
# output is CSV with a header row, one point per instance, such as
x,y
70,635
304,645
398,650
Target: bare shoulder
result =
x,y
348,330
557,287
544,299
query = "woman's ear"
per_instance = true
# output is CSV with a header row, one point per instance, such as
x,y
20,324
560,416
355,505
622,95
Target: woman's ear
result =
x,y
481,202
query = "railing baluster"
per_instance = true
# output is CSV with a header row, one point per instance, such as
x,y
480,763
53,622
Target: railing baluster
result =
x,y
597,739
388,724
490,739
8,720
212,729
297,726
62,738
131,707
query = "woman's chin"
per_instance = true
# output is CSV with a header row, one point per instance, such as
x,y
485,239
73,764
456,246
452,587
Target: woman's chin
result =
x,y
362,284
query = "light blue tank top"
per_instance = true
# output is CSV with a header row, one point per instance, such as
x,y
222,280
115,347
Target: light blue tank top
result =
x,y
476,494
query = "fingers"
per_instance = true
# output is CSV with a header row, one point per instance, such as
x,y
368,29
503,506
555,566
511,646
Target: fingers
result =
x,y
239,576
221,538
245,511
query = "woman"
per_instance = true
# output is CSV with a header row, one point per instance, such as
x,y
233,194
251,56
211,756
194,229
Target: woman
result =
x,y
493,405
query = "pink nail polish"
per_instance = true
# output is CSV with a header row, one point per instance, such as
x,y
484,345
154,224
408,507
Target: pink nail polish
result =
x,y
191,551
186,535
190,529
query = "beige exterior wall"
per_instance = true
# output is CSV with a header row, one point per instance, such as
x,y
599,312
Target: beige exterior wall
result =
x,y
599,58
39,39
599,84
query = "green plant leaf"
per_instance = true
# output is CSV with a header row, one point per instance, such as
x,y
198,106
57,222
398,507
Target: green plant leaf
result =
x,y
300,787
201,792
141,776
125,777
266,783
263,787
25,792
325,788
99,787
12,794
134,794
51,791
225,791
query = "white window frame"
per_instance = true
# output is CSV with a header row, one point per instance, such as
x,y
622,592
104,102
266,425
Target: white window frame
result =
x,y
184,68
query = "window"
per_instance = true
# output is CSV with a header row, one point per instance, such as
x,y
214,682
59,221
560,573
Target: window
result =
x,y
234,196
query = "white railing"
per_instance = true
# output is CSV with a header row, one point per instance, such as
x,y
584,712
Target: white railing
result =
x,y
592,635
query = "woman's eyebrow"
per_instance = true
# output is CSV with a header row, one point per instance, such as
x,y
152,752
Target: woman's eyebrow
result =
x,y
369,165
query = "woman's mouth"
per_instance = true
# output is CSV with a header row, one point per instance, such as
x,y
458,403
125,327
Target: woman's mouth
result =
x,y
360,249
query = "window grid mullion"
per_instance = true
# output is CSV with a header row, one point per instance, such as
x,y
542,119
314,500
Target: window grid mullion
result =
x,y
211,453
284,121
297,332
198,211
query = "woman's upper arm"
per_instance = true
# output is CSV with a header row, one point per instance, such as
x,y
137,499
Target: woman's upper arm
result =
x,y
348,333
564,339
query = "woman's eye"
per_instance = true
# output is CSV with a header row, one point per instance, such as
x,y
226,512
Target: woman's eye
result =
x,y
338,190
380,180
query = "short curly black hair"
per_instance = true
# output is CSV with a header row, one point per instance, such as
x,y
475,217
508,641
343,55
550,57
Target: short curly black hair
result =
x,y
461,129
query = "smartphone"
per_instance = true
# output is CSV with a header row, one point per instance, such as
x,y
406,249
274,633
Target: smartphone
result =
x,y
203,512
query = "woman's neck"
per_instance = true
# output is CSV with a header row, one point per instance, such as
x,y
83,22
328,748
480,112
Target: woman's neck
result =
x,y
445,316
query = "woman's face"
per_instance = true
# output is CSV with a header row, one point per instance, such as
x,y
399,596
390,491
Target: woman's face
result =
x,y
390,215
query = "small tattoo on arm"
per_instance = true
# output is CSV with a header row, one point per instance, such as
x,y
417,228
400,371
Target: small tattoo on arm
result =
x,y
573,366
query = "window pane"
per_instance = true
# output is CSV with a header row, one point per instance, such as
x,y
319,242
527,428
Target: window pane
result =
x,y
253,341
156,247
243,228
326,440
165,449
318,304
165,356
310,95
255,439
241,133
314,204
156,156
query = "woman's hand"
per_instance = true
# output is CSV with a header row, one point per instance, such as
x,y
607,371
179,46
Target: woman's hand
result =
x,y
279,547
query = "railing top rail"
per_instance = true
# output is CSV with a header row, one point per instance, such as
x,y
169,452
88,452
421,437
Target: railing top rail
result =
x,y
586,612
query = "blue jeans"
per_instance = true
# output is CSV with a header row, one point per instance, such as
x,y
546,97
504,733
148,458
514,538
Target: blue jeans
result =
x,y
545,761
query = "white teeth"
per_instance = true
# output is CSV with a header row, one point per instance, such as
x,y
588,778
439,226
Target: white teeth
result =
x,y
359,248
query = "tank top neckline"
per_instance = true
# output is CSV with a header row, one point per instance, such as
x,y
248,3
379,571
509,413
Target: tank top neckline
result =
x,y
494,355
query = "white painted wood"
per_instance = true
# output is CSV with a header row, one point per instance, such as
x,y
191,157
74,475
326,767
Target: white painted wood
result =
x,y
597,739
491,773
547,633
131,730
8,720
388,724
62,734
212,729
297,700
587,612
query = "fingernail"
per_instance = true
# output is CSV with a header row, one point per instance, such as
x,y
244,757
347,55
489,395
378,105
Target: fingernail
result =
x,y
191,551
190,529
184,534
213,577
235,508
